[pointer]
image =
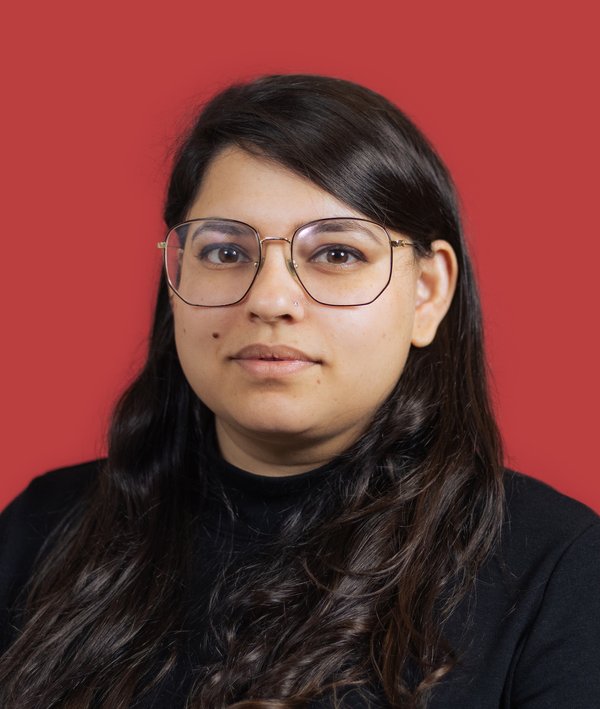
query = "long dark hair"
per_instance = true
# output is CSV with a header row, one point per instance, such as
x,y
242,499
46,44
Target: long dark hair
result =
x,y
358,593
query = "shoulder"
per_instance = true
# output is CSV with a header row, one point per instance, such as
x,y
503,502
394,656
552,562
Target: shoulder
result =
x,y
529,631
541,523
552,550
30,518
26,526
531,499
71,481
49,496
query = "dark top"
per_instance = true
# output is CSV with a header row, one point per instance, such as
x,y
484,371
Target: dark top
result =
x,y
534,640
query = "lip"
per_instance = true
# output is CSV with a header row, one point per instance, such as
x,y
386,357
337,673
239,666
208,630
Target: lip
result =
x,y
274,353
273,360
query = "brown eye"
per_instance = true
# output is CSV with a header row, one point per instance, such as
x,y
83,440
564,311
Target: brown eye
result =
x,y
223,254
337,255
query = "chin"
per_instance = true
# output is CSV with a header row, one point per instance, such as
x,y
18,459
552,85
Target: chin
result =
x,y
276,427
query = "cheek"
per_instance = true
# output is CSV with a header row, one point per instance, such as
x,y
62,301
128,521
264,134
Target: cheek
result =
x,y
375,346
197,341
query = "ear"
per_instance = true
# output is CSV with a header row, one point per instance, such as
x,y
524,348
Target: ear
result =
x,y
435,287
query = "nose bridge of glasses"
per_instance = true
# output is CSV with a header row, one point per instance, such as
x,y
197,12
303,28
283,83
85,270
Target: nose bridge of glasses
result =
x,y
275,238
288,261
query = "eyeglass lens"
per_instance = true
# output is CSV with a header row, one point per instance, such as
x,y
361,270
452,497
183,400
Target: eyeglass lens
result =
x,y
213,262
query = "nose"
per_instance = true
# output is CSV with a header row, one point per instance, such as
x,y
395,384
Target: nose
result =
x,y
276,292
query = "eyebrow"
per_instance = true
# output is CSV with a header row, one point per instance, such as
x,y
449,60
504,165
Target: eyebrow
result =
x,y
333,225
341,225
230,228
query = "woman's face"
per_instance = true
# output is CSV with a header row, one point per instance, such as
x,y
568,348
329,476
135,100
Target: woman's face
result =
x,y
339,363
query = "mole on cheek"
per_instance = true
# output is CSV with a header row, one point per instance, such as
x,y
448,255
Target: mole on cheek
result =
x,y
215,335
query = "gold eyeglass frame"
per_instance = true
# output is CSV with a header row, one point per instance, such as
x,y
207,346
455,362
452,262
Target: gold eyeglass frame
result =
x,y
292,266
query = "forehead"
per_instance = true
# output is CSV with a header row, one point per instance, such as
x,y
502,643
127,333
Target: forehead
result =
x,y
262,192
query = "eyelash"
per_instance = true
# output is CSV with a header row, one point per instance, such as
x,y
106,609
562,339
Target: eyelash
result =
x,y
340,247
215,248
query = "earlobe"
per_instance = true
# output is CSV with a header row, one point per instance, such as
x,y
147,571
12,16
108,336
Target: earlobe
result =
x,y
435,288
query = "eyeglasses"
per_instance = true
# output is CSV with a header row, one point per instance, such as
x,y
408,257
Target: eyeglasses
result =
x,y
338,261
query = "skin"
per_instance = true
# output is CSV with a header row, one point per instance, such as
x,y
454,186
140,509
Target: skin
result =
x,y
280,418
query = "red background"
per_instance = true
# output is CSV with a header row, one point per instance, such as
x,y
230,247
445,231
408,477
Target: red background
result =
x,y
94,98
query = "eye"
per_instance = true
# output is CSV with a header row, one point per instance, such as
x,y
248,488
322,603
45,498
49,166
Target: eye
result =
x,y
223,254
338,255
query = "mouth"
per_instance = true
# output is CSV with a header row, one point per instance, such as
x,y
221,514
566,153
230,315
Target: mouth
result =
x,y
274,353
273,360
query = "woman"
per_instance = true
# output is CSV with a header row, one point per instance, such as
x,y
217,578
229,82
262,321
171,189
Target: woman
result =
x,y
304,501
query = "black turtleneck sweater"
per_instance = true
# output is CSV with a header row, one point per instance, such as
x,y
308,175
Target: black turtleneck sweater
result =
x,y
533,639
